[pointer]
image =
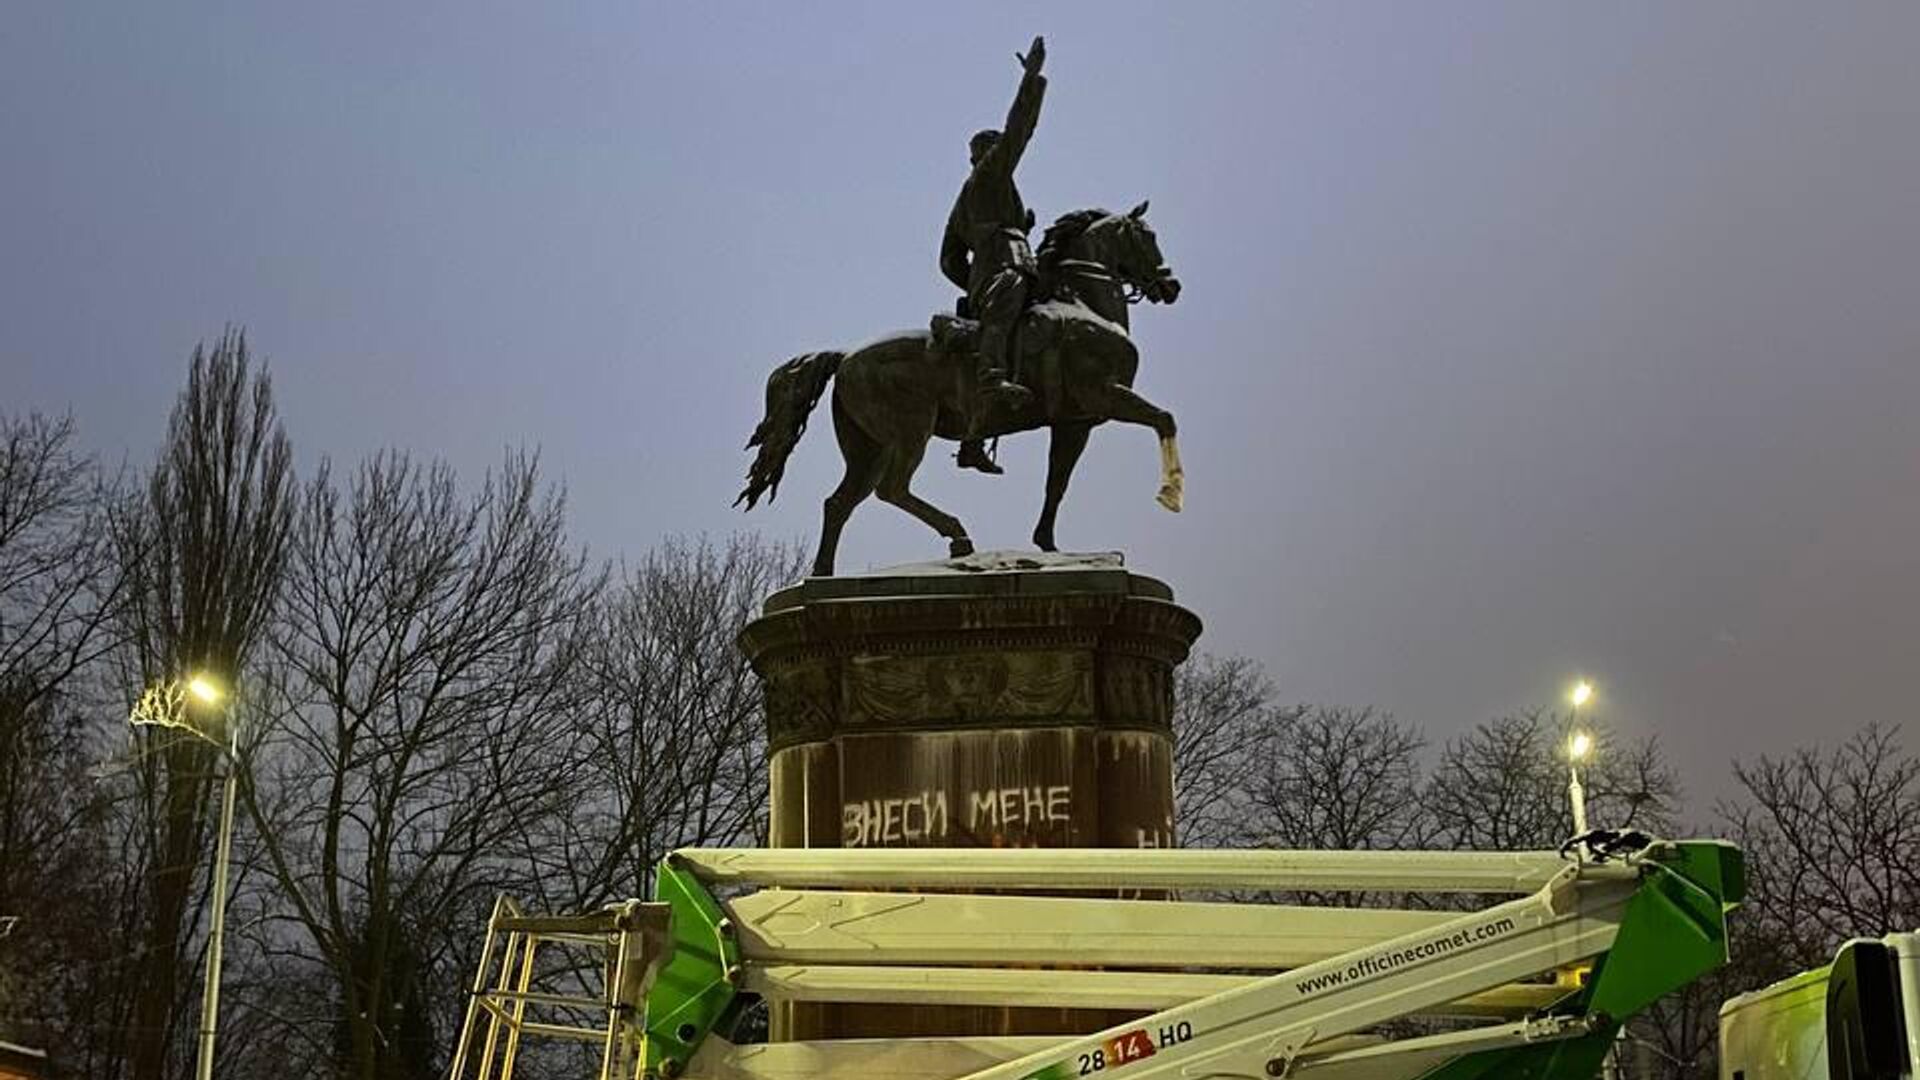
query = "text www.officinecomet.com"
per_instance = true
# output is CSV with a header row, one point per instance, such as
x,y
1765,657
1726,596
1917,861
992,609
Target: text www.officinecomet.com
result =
x,y
1381,963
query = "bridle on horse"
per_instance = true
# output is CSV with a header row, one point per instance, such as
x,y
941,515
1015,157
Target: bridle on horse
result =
x,y
1129,291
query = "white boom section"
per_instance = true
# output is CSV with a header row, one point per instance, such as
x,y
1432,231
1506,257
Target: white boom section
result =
x,y
1261,1029
1055,870
804,927
1145,990
1346,1058
1411,1058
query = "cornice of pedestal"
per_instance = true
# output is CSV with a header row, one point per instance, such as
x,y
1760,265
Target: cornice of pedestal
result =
x,y
1063,643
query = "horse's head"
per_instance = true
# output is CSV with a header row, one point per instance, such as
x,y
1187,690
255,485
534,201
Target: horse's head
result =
x,y
1126,244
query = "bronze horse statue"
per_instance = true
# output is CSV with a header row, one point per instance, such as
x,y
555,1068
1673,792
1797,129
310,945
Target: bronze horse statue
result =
x,y
1073,355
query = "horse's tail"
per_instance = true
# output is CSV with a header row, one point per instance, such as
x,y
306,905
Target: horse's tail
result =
x,y
793,390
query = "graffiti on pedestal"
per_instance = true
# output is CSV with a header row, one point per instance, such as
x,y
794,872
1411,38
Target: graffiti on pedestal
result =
x,y
912,819
1010,816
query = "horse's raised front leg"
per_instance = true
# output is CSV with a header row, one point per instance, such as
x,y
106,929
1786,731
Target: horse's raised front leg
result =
x,y
1121,403
1063,453
895,476
1173,476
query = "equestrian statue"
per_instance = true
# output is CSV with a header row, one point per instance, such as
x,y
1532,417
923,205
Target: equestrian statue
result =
x,y
1039,340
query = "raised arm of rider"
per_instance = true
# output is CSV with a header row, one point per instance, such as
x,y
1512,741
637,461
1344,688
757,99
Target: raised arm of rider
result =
x,y
1021,119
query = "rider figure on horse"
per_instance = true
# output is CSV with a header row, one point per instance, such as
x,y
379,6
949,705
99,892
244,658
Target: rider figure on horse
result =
x,y
985,250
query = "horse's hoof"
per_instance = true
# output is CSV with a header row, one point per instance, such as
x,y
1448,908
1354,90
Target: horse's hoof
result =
x,y
1170,497
960,548
1045,544
822,570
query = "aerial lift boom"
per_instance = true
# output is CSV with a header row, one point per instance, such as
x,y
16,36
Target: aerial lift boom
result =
x,y
1228,990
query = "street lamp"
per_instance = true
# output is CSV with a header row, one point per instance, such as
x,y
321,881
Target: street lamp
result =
x,y
1579,748
166,705
204,688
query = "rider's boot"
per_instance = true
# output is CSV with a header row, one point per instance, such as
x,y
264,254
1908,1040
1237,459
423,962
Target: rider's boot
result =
x,y
995,389
973,455
994,396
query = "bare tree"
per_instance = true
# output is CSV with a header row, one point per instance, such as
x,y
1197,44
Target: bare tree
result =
x,y
65,900
57,580
202,552
57,891
425,672
1832,843
1499,788
1223,721
1503,786
1340,779
1832,838
1331,778
56,584
671,738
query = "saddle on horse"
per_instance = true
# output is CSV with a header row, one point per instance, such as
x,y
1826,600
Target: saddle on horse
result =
x,y
955,333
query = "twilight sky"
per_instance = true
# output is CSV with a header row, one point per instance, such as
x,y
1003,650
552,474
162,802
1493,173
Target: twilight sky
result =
x,y
1519,339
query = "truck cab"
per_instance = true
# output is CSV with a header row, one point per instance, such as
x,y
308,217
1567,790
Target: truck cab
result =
x,y
1858,1018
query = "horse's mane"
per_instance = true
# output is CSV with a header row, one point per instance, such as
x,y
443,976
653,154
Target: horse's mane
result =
x,y
1064,231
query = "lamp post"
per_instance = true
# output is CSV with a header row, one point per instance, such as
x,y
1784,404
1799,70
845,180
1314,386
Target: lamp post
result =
x,y
168,706
1579,747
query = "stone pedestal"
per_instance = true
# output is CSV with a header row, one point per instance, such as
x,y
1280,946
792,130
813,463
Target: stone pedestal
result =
x,y
1000,700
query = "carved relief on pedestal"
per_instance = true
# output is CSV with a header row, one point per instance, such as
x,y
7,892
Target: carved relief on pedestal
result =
x,y
1136,692
968,688
800,703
